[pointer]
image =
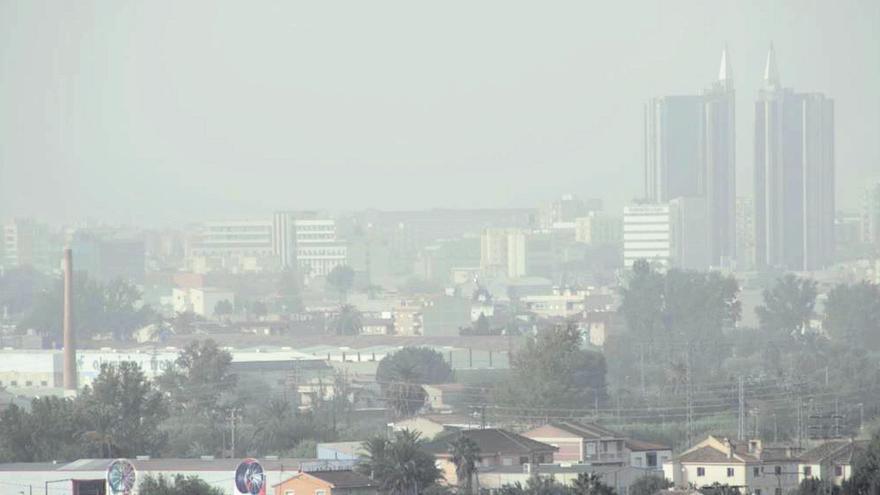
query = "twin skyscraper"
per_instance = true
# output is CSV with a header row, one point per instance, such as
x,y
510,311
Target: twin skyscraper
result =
x,y
690,163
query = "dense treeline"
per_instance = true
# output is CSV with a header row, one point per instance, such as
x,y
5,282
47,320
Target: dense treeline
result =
x,y
184,413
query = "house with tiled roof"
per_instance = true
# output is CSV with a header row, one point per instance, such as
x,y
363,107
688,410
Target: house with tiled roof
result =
x,y
740,464
329,482
647,454
497,447
582,442
831,461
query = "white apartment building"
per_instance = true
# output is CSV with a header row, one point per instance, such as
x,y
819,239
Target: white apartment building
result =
x,y
646,234
503,252
318,251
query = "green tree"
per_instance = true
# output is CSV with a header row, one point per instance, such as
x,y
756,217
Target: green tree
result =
x,y
427,365
201,388
719,489
290,290
348,321
552,372
852,312
865,479
813,486
590,484
121,413
177,485
402,374
113,308
465,455
649,485
681,303
642,301
341,279
399,465
223,308
788,306
48,432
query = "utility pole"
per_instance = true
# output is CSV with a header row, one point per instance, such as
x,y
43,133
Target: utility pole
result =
x,y
232,418
642,367
741,431
690,410
861,416
800,406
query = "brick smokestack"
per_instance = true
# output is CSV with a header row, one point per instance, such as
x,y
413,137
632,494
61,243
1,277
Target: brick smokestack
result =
x,y
70,382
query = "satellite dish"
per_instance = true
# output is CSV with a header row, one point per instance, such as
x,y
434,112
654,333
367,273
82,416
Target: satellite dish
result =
x,y
249,478
121,477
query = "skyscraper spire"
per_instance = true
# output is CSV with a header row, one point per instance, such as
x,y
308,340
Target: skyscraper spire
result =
x,y
725,72
771,72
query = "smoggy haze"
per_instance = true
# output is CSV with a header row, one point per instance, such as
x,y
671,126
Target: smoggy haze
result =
x,y
168,111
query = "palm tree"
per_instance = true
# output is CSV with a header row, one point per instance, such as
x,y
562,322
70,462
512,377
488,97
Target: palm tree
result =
x,y
399,465
465,455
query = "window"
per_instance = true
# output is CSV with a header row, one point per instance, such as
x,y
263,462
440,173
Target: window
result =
x,y
756,472
320,492
701,471
808,471
288,492
730,472
591,448
838,470
777,470
651,459
523,460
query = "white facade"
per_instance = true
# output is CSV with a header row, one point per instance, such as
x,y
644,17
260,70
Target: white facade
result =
x,y
235,246
503,252
201,301
318,251
646,234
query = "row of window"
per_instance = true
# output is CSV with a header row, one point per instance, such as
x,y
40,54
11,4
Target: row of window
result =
x,y
777,470
28,383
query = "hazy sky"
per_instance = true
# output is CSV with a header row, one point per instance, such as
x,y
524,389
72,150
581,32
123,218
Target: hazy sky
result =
x,y
164,111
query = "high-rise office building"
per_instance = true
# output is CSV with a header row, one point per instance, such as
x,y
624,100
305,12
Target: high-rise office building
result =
x,y
794,176
719,161
690,143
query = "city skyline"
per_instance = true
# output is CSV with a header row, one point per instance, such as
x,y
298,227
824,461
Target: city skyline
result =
x,y
435,130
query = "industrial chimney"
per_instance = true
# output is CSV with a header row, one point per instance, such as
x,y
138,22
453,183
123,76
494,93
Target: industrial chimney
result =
x,y
70,382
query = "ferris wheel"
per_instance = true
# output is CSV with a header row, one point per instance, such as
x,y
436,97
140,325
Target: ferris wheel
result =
x,y
121,477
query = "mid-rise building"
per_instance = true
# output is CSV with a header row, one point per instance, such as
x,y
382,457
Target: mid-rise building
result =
x,y
105,255
794,176
28,243
598,229
233,246
503,252
318,250
646,234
